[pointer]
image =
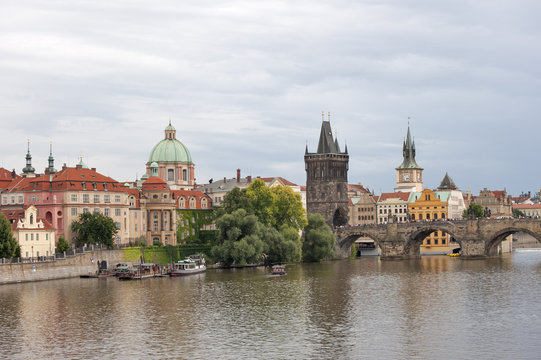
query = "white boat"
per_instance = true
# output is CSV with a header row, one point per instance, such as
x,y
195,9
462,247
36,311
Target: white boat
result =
x,y
192,265
278,270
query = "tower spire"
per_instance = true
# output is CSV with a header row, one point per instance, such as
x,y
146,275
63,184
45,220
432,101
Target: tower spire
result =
x,y
50,169
28,170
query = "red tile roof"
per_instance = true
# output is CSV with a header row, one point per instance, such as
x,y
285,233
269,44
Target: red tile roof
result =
x,y
404,196
281,179
15,215
154,183
67,179
6,177
187,194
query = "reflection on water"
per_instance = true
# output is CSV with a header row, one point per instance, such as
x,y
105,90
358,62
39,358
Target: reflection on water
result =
x,y
436,307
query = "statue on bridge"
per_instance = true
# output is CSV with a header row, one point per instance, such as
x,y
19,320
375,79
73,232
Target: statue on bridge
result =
x,y
487,212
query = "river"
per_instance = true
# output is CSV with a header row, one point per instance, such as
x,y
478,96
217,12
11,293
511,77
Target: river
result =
x,y
433,308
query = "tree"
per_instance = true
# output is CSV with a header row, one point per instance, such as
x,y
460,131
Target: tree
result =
x,y
517,213
478,211
318,242
282,246
62,245
260,201
93,228
9,248
287,208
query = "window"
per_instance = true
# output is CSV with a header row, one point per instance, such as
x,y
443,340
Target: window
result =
x,y
46,236
184,175
435,241
31,219
85,210
37,237
96,211
135,215
107,212
74,197
135,227
26,236
85,198
20,199
117,198
204,203
181,203
117,212
170,175
31,237
107,199
73,211
96,198
192,203
117,224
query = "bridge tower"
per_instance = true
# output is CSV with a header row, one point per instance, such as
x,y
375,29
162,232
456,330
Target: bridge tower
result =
x,y
409,175
327,178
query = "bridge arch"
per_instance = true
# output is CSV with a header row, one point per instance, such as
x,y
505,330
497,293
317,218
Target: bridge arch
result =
x,y
491,244
345,242
415,239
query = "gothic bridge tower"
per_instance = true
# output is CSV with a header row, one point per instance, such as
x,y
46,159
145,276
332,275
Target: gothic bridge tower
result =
x,y
327,179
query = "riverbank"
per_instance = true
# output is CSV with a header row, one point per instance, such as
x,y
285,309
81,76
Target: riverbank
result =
x,y
72,266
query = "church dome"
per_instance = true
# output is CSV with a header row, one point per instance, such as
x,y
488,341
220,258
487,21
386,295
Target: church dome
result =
x,y
170,150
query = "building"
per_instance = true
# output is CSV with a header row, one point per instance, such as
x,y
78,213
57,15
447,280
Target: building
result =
x,y
362,206
409,175
393,207
7,177
327,179
455,198
431,205
217,190
36,236
496,202
174,162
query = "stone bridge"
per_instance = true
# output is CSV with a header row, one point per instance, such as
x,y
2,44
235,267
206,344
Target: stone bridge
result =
x,y
476,237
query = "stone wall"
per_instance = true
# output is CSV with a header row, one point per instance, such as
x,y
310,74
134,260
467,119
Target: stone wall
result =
x,y
72,266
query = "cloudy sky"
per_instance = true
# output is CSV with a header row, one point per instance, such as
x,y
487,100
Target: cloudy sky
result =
x,y
244,84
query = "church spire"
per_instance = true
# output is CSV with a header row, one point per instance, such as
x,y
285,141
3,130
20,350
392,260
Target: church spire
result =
x,y
408,152
50,169
28,170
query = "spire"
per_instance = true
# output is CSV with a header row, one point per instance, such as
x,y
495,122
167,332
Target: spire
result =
x,y
447,183
81,163
50,169
408,152
28,169
170,132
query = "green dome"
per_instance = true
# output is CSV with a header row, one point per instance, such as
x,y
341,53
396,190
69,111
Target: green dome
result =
x,y
170,151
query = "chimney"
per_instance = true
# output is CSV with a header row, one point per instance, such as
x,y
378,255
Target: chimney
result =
x,y
64,166
249,179
238,175
13,174
225,179
93,169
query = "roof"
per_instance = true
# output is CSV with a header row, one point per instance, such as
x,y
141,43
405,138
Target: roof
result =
x,y
187,194
447,183
154,183
6,177
526,206
170,150
403,196
327,144
270,180
442,196
77,178
14,216
408,151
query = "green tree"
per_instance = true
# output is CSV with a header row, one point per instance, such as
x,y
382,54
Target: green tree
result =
x,y
9,248
477,209
318,242
62,245
517,213
282,246
287,208
93,228
260,201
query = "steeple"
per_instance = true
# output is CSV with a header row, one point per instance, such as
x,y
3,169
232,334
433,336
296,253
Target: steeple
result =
x,y
327,143
408,152
447,183
50,169
28,170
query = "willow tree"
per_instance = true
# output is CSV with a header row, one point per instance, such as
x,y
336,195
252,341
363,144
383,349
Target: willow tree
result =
x,y
9,248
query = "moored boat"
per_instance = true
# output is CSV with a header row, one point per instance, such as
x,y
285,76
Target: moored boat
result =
x,y
137,272
194,264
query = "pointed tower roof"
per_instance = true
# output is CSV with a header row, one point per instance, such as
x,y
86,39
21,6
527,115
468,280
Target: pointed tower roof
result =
x,y
408,151
28,169
50,169
327,144
447,183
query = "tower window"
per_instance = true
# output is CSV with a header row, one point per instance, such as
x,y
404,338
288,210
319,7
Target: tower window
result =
x,y
170,175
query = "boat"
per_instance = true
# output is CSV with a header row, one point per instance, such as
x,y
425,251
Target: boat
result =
x,y
193,264
453,254
141,271
278,270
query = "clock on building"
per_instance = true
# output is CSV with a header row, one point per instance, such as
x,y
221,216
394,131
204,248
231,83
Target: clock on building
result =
x,y
406,177
418,177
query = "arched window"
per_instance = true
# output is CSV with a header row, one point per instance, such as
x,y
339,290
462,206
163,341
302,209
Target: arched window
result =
x,y
435,215
443,215
170,175
31,219
182,203
192,203
204,203
428,216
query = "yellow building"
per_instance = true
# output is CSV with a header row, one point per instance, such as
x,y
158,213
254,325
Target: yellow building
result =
x,y
428,206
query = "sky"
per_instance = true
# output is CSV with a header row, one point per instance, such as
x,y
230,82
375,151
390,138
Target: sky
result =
x,y
245,83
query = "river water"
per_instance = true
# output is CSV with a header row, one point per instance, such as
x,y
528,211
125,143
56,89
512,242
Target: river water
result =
x,y
433,308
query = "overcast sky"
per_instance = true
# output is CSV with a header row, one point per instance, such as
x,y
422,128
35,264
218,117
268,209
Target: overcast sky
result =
x,y
244,84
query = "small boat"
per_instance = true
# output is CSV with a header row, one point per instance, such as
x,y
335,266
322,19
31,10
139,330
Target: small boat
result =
x,y
141,271
193,264
278,270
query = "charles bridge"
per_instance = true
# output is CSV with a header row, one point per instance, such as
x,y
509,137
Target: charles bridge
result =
x,y
477,238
